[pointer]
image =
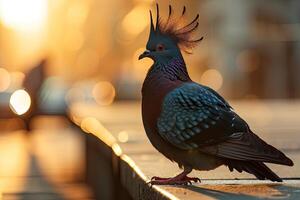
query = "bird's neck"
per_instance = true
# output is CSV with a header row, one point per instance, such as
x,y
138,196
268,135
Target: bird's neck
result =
x,y
173,70
160,80
162,77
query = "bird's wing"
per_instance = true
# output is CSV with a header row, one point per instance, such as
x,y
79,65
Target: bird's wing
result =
x,y
247,146
194,117
218,96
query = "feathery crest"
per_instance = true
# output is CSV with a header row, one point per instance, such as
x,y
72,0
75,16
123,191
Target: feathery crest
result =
x,y
182,35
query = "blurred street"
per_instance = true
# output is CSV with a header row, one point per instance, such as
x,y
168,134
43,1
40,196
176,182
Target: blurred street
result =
x,y
45,163
49,161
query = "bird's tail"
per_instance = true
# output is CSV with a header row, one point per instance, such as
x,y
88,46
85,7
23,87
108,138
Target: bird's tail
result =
x,y
276,156
258,169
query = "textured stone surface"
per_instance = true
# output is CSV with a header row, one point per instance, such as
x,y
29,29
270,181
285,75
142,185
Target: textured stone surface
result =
x,y
277,122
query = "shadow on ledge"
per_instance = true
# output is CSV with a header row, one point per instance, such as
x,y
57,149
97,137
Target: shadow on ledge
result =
x,y
247,191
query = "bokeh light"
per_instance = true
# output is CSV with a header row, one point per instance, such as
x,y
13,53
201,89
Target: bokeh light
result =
x,y
92,125
4,79
23,15
136,20
104,93
123,136
212,78
20,102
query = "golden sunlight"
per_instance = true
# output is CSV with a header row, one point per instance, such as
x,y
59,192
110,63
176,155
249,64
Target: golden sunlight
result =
x,y
136,20
104,93
212,78
4,79
140,67
26,15
16,79
123,137
20,102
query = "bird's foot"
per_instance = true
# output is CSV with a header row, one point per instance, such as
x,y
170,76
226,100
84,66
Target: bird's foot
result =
x,y
177,180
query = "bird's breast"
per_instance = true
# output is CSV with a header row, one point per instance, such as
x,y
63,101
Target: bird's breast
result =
x,y
153,93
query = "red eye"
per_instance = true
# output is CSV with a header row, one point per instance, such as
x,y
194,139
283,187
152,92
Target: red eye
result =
x,y
160,47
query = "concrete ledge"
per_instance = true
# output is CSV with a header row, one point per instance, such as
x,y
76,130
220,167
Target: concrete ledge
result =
x,y
110,173
124,168
136,183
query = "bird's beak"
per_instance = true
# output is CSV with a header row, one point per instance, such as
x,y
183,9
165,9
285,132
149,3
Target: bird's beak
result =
x,y
145,54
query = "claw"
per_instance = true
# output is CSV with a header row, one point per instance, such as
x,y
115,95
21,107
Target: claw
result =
x,y
183,180
195,179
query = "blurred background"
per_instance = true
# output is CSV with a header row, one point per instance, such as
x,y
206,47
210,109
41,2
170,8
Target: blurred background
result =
x,y
250,49
56,53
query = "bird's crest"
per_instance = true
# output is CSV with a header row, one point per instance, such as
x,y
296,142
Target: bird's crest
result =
x,y
181,34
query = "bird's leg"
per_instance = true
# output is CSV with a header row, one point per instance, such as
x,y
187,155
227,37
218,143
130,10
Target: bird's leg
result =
x,y
180,179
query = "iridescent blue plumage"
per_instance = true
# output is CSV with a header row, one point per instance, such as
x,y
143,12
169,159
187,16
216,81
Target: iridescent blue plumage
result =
x,y
190,123
188,112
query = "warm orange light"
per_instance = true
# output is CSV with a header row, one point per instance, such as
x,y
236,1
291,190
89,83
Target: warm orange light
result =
x,y
123,137
136,20
92,125
14,160
104,93
117,149
140,66
4,79
87,58
212,78
77,13
73,40
20,102
23,14
16,79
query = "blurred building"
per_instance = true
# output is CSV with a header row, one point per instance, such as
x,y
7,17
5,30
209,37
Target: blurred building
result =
x,y
250,49
257,44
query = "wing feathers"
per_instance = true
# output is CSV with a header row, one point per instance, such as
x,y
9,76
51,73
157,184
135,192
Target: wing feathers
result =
x,y
258,169
248,146
194,117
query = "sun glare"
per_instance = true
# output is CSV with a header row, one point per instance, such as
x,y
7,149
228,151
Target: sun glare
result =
x,y
23,14
20,102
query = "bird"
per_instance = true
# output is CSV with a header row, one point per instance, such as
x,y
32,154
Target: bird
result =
x,y
189,123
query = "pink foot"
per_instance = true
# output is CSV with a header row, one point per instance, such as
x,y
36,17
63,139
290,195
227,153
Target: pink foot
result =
x,y
177,180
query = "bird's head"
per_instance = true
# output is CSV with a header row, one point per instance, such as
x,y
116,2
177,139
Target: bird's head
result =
x,y
167,39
